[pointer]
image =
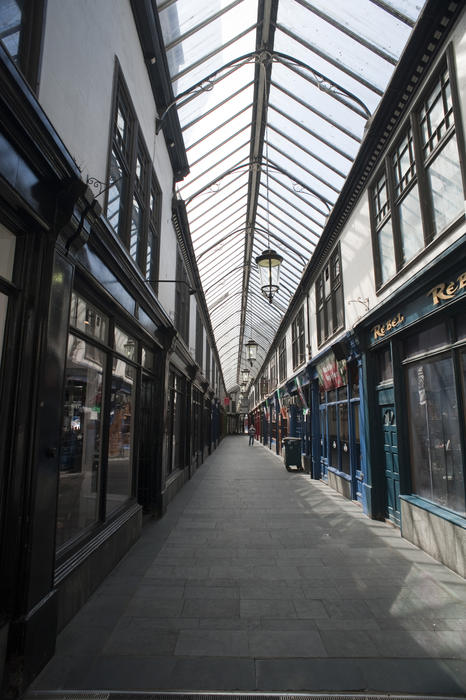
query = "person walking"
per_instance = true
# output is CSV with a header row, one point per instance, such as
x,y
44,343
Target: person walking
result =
x,y
251,433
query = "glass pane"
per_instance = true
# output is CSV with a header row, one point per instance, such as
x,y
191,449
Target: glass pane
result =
x,y
10,25
125,345
80,440
386,252
357,440
147,359
7,253
384,365
344,438
88,318
136,229
436,459
116,194
323,432
409,211
333,435
461,328
427,340
444,177
3,312
120,447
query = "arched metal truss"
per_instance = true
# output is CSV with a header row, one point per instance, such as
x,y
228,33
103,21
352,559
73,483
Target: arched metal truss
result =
x,y
273,98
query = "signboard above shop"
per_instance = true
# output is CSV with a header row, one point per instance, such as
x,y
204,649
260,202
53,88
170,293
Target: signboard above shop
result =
x,y
331,372
442,292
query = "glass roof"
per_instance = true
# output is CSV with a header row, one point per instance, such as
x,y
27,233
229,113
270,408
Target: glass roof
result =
x,y
273,97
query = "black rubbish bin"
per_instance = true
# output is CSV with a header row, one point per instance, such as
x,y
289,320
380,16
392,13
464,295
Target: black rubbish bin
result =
x,y
292,452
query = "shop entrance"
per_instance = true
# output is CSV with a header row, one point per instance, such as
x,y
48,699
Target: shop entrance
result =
x,y
390,454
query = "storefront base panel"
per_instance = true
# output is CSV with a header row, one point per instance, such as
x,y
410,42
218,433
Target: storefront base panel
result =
x,y
78,579
174,484
443,539
31,644
339,484
307,463
3,640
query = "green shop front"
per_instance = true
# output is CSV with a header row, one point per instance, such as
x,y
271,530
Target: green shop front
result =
x,y
416,378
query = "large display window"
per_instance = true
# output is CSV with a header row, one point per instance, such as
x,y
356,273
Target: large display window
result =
x,y
96,447
435,386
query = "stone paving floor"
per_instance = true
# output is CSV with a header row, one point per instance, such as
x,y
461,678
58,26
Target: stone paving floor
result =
x,y
262,579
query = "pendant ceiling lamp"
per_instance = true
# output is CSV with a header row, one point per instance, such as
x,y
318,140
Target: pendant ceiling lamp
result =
x,y
269,262
269,272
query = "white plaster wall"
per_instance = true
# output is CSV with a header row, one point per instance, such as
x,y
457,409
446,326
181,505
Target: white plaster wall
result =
x,y
82,38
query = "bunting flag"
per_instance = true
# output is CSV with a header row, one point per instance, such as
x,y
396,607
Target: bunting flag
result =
x,y
301,392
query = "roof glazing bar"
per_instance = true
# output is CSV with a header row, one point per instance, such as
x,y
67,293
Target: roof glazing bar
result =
x,y
220,126
349,32
296,208
315,111
299,195
316,157
201,203
201,226
219,145
201,25
202,60
326,57
293,218
394,12
313,133
303,167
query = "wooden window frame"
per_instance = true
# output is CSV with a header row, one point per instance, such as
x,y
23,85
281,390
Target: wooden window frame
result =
x,y
328,291
142,188
413,123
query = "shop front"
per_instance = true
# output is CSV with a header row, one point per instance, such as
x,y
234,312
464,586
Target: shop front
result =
x,y
417,363
338,457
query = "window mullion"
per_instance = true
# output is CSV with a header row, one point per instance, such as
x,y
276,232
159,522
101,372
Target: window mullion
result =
x,y
396,231
424,197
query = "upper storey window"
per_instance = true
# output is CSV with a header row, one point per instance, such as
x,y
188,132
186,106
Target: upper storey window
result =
x,y
418,194
21,31
329,298
134,197
297,339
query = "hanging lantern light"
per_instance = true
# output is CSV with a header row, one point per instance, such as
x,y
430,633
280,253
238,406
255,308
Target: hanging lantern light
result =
x,y
269,271
251,351
245,374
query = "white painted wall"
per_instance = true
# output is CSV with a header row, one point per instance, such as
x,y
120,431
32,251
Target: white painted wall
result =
x,y
82,38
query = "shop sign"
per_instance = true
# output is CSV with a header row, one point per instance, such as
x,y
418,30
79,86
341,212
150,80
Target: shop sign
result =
x,y
226,401
381,329
332,372
447,290
443,292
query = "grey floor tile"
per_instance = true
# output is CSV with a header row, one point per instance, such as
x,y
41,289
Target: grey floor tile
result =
x,y
267,608
286,644
214,674
154,607
212,643
423,676
309,675
215,607
136,637
211,592
117,672
352,643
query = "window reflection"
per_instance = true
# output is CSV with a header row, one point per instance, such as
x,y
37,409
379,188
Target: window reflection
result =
x,y
436,460
119,476
80,440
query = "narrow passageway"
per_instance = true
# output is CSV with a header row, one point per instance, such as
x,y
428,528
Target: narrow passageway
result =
x,y
262,579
